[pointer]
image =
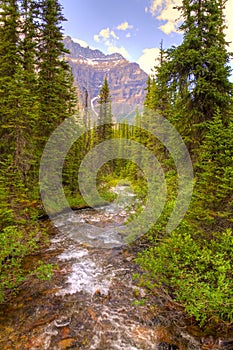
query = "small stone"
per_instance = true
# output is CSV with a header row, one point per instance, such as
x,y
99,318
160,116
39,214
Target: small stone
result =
x,y
62,322
65,343
166,346
65,332
129,258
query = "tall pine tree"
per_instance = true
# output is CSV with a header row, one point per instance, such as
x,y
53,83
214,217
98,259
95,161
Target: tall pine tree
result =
x,y
198,70
104,121
56,94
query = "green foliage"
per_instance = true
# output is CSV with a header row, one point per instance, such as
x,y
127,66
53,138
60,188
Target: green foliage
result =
x,y
140,302
193,264
215,182
196,271
104,121
16,244
56,94
6,213
44,271
191,88
197,71
36,94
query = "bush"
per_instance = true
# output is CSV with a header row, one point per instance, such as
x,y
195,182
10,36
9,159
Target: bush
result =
x,y
15,246
197,272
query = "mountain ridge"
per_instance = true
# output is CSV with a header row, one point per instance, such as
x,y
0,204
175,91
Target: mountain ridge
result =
x,y
127,81
77,50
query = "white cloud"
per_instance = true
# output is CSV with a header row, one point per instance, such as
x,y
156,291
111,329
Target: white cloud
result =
x,y
164,10
105,34
112,34
128,35
148,59
168,27
83,43
96,38
108,37
122,50
108,43
80,42
124,26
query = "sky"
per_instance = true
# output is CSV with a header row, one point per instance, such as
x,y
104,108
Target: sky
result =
x,y
133,28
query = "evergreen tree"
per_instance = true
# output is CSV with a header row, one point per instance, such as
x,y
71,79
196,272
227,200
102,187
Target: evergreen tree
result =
x,y
56,94
213,204
9,66
198,70
159,89
104,122
29,14
198,255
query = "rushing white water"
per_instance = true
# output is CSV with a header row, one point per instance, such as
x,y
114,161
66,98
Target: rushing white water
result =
x,y
85,275
91,246
91,302
83,226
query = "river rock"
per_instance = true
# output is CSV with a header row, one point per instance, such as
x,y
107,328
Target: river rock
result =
x,y
66,343
166,346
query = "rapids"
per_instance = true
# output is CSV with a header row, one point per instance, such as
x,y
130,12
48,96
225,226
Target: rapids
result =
x,y
91,302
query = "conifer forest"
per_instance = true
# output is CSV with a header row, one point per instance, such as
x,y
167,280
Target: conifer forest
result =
x,y
190,267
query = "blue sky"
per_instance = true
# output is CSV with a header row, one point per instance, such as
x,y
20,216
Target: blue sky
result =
x,y
133,28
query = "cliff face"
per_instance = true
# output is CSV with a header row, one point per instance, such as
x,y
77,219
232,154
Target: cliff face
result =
x,y
127,81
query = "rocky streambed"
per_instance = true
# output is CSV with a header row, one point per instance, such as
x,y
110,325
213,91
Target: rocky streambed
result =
x,y
91,302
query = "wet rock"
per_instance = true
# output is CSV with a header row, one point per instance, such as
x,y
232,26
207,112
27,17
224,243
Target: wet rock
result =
x,y
166,346
65,332
209,343
129,258
66,343
155,321
226,344
62,322
89,302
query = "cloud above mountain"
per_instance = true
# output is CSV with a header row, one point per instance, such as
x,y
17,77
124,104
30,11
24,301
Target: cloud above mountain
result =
x,y
124,26
81,42
122,50
110,39
148,60
105,34
165,10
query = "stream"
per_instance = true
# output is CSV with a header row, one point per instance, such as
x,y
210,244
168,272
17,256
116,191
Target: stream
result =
x,y
91,302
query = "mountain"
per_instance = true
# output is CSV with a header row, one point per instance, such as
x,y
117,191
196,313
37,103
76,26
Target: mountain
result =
x,y
127,81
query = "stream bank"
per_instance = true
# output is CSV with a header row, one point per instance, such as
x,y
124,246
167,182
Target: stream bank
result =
x,y
91,302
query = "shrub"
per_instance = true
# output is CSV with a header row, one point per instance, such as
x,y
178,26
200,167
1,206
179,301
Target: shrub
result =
x,y
197,272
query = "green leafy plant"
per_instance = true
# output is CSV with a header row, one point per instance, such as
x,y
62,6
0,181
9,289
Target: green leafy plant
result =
x,y
195,271
44,271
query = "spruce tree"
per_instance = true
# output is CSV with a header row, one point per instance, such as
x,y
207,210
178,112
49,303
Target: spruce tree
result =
x,y
198,253
9,65
198,70
104,121
28,46
56,94
160,90
18,80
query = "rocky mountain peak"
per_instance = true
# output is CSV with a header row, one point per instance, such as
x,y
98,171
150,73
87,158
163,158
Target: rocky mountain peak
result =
x,y
127,81
78,51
